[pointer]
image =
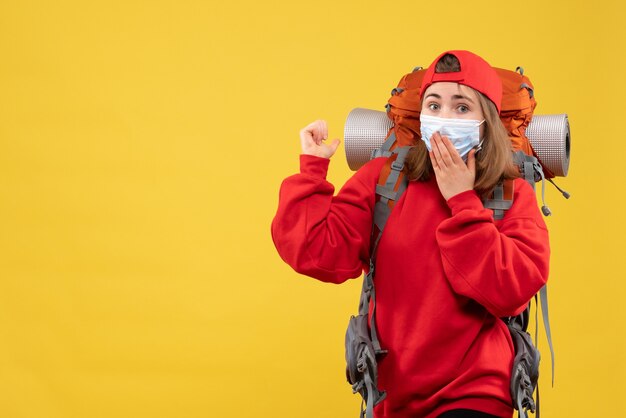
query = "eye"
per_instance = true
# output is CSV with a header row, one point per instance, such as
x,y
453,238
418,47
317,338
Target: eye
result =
x,y
433,106
463,109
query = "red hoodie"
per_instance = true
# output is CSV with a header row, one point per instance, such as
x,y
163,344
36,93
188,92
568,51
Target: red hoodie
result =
x,y
445,273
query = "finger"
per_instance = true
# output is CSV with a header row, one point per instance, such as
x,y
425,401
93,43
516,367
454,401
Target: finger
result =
x,y
446,152
452,151
318,135
433,161
309,130
471,161
438,150
306,134
310,137
324,129
334,145
311,126
312,130
435,149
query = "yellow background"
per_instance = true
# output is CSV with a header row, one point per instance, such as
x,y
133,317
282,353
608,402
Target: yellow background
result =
x,y
142,145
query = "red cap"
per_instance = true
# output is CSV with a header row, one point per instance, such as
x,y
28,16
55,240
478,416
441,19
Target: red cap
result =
x,y
475,73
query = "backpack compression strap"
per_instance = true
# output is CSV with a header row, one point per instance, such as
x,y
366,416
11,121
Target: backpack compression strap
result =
x,y
531,170
543,299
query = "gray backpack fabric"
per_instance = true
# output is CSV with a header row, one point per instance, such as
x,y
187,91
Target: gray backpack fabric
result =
x,y
525,371
362,345
361,369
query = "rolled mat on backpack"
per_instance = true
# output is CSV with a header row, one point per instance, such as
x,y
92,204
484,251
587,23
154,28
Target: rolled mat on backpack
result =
x,y
366,130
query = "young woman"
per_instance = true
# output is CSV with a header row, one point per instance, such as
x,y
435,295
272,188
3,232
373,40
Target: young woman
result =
x,y
446,271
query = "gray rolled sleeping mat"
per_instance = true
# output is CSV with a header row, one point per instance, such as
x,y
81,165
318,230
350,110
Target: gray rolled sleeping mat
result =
x,y
366,129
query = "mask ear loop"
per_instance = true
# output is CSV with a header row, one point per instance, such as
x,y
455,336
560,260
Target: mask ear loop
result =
x,y
480,144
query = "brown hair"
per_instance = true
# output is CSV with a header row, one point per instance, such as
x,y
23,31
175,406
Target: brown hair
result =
x,y
493,163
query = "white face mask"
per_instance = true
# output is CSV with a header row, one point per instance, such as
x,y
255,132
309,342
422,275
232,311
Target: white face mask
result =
x,y
463,133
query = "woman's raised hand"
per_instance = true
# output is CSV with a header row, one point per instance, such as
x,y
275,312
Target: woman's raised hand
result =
x,y
312,137
452,174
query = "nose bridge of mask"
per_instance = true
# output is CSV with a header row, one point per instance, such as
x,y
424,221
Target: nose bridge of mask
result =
x,y
460,122
436,120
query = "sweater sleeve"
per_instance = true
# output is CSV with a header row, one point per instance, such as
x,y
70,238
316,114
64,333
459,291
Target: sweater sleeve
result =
x,y
500,265
324,236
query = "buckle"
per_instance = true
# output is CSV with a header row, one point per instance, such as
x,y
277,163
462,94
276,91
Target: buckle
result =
x,y
397,166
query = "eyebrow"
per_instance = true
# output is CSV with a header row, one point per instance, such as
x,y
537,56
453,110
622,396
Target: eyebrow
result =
x,y
460,97
455,97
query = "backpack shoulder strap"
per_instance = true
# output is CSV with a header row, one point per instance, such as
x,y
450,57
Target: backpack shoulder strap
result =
x,y
393,186
501,199
385,148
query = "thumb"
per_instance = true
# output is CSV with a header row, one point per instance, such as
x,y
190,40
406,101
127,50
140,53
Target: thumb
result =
x,y
334,145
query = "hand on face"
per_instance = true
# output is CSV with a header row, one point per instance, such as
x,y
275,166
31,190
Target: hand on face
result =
x,y
452,100
311,137
453,175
